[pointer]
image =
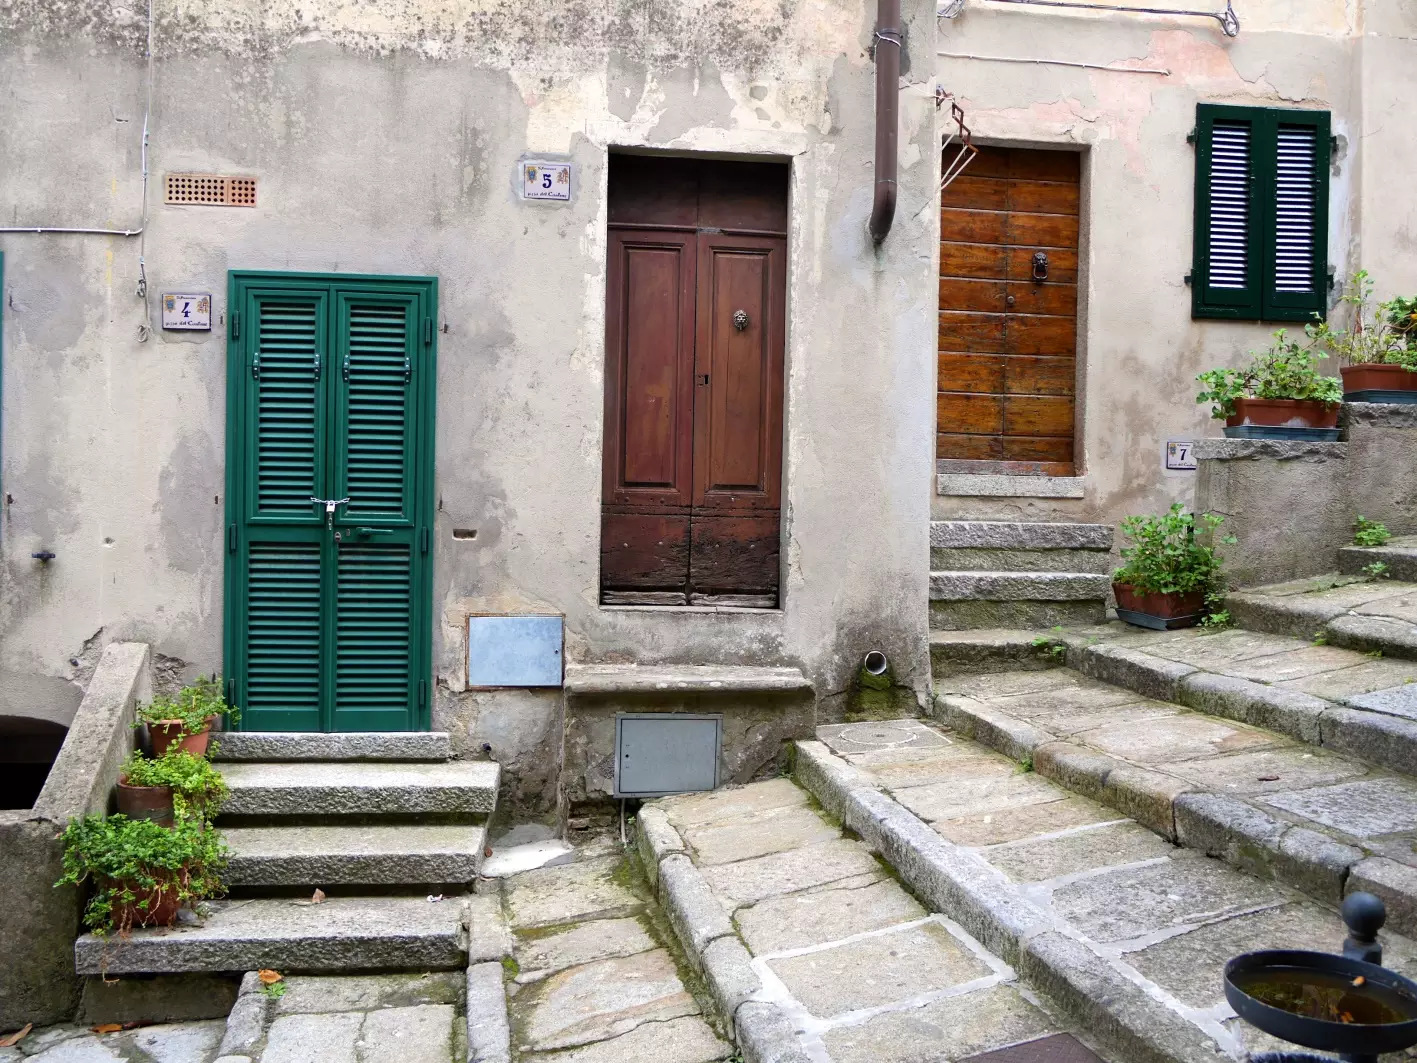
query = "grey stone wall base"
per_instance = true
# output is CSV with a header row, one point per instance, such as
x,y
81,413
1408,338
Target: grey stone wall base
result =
x,y
164,998
489,1036
957,882
761,1030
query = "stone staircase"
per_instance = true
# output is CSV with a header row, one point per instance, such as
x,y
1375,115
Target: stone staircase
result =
x,y
389,826
993,574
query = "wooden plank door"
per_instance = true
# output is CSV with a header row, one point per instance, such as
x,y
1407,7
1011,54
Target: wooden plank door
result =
x,y
1008,337
738,419
649,415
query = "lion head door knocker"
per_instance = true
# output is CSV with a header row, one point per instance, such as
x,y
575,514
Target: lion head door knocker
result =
x,y
1040,267
740,319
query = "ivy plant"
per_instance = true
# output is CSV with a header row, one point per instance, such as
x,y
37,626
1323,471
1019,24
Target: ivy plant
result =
x,y
1380,334
1284,371
132,863
1370,532
197,788
1174,553
191,706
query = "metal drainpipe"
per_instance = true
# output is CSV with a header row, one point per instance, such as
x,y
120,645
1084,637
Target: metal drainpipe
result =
x,y
887,42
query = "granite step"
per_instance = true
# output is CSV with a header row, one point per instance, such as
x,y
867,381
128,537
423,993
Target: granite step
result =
x,y
288,791
1377,616
307,746
1013,546
340,934
1399,555
405,855
969,599
1301,808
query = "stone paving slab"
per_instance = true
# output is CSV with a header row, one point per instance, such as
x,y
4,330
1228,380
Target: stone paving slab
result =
x,y
1059,812
1058,855
1330,605
684,1040
921,767
179,1042
570,893
803,919
1185,736
697,810
595,939
1344,683
1266,771
972,797
771,830
1358,809
748,882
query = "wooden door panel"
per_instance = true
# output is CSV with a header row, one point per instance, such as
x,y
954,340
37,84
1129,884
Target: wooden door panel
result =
x,y
734,555
649,386
738,391
1007,340
644,551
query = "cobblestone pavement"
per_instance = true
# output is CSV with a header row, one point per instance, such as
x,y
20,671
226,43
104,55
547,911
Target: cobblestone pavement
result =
x,y
178,1042
861,969
1166,918
595,979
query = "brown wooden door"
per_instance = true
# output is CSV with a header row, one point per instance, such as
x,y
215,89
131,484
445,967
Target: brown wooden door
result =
x,y
1008,339
695,333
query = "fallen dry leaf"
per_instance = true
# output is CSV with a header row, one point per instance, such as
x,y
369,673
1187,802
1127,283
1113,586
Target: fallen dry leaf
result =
x,y
269,977
1269,778
107,1027
318,896
13,1039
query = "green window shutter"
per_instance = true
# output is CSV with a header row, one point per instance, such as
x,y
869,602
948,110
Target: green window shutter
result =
x,y
285,435
283,635
1296,232
374,658
377,412
1228,250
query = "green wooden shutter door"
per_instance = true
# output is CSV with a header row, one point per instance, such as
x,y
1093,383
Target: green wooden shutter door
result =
x,y
376,663
1296,231
283,542
1227,256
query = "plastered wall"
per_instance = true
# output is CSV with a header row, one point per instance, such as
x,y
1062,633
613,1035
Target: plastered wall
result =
x,y
385,138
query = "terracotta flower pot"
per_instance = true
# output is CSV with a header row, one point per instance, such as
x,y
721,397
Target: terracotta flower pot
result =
x,y
167,733
1283,413
145,802
163,904
1167,611
1373,382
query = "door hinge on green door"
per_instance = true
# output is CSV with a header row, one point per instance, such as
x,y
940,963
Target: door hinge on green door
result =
x,y
423,538
235,324
427,332
423,693
231,538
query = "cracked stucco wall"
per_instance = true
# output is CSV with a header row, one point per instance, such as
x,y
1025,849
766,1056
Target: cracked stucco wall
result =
x,y
1139,350
384,136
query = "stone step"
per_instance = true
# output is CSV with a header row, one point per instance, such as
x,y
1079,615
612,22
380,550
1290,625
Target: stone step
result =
x,y
595,680
1371,615
340,934
972,559
404,855
990,650
306,746
1018,535
1399,555
1318,821
288,791
964,600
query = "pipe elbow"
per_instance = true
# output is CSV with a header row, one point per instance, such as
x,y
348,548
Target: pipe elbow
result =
x,y
882,210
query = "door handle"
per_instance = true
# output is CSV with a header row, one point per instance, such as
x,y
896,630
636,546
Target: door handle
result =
x,y
365,532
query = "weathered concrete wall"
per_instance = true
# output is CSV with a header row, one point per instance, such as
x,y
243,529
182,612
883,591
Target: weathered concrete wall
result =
x,y
384,137
1139,349
37,979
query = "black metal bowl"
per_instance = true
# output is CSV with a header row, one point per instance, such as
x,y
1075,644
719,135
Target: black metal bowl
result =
x,y
1353,1038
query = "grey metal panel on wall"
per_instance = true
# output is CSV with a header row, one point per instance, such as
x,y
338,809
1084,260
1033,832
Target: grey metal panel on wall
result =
x,y
659,753
514,651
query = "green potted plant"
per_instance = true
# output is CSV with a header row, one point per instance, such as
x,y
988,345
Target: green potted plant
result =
x,y
186,719
1279,395
1170,569
142,873
177,784
1379,352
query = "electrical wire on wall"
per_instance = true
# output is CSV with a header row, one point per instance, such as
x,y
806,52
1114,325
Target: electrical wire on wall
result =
x,y
1229,21
144,329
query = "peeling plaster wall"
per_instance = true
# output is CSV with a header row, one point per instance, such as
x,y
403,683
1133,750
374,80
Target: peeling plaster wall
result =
x,y
385,136
1139,350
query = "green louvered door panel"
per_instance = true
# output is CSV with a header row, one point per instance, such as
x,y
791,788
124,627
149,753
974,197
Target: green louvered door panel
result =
x,y
328,622
376,679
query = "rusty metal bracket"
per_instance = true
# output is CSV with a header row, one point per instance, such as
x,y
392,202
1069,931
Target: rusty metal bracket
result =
x,y
961,134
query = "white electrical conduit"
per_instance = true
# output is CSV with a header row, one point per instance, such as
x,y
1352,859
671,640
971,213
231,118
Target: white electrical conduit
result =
x,y
144,329
1059,62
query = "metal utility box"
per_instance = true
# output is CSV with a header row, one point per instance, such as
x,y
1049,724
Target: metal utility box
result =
x,y
658,753
514,651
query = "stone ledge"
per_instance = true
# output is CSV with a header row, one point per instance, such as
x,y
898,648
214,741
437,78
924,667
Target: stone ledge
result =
x,y
353,856
489,1035
597,680
1378,415
1018,586
280,745
1222,449
1018,535
967,485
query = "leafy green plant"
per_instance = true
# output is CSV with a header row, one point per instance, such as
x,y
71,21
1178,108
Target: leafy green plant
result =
x,y
274,990
1320,638
1369,532
1174,553
1284,371
132,862
1377,570
1381,333
197,788
1026,764
1049,648
191,706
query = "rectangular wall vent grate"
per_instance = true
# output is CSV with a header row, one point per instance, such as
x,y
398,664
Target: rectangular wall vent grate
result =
x,y
210,190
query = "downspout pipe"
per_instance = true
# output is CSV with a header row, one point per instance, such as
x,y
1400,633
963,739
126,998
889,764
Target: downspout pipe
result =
x,y
888,45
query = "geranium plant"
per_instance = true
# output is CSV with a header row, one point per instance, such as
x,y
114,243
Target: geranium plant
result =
x,y
1381,333
141,872
197,788
192,706
1285,370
